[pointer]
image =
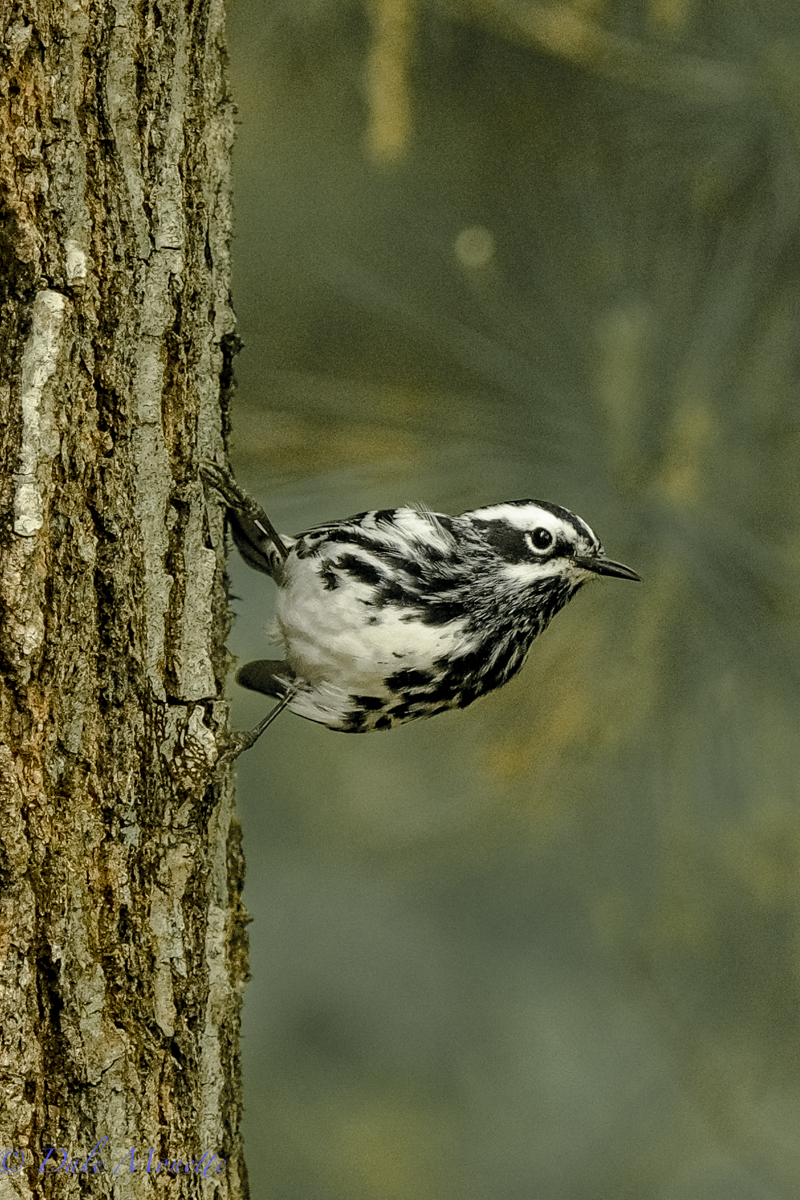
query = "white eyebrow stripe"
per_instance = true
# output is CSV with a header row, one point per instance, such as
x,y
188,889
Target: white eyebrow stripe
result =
x,y
512,514
526,517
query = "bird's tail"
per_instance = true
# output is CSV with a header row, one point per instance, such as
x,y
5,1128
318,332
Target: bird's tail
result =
x,y
256,547
256,538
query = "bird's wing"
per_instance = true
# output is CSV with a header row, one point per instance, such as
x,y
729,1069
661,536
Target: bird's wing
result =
x,y
266,675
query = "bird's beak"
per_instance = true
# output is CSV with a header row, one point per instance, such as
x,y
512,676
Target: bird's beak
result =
x,y
605,566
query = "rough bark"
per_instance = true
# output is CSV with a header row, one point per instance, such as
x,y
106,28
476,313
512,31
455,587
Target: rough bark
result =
x,y
122,944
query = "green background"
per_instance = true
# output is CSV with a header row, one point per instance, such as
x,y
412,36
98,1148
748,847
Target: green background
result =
x,y
549,946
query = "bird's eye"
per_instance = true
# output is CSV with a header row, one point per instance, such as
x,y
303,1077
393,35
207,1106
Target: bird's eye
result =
x,y
541,539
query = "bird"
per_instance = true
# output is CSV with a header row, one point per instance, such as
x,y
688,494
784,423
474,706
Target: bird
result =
x,y
397,614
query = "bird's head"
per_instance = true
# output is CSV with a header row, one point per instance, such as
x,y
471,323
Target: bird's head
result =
x,y
542,545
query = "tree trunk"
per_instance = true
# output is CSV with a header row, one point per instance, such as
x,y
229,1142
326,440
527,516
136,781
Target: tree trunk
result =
x,y
122,944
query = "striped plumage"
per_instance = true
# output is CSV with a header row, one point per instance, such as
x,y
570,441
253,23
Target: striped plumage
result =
x,y
402,613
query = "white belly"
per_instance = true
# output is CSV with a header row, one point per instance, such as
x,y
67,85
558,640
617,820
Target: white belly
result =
x,y
335,637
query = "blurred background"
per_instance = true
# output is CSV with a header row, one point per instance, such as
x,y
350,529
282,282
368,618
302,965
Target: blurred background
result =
x,y
548,947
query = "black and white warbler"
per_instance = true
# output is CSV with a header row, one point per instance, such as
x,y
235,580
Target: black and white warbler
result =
x,y
403,613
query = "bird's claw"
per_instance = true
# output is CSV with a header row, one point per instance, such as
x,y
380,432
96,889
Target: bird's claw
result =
x,y
223,481
237,741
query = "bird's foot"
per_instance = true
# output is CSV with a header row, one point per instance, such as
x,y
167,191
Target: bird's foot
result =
x,y
221,478
239,740
236,742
